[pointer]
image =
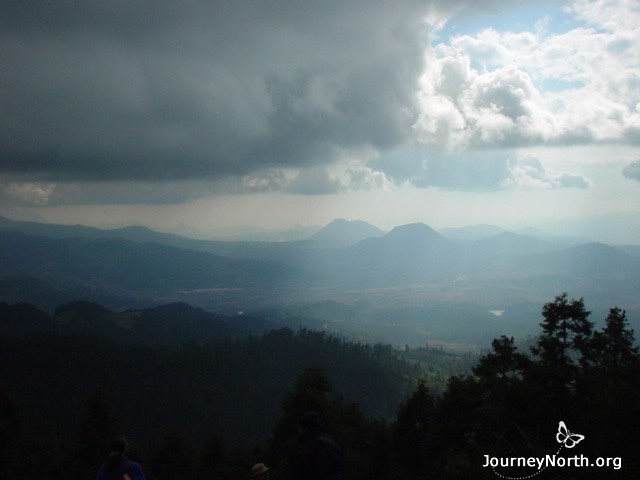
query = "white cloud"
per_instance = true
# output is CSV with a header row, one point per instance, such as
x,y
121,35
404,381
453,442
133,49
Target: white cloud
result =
x,y
26,194
530,173
510,89
612,15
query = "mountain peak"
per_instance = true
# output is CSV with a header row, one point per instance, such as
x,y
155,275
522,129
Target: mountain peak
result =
x,y
345,232
413,230
416,236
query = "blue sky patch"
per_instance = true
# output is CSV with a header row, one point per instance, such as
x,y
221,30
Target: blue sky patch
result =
x,y
521,18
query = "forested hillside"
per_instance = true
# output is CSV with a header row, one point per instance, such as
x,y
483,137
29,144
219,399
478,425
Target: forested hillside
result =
x,y
164,325
171,367
211,409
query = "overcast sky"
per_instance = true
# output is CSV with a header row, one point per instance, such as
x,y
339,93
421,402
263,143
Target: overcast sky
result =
x,y
277,113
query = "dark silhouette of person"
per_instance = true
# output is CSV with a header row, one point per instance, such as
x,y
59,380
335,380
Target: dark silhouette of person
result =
x,y
117,466
314,456
260,471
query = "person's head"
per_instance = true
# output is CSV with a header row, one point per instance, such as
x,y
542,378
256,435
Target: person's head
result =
x,y
260,471
309,424
119,446
117,449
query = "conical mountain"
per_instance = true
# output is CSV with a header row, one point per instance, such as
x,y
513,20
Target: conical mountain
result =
x,y
341,232
408,253
416,235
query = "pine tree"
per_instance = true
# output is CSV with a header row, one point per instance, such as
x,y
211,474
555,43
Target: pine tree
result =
x,y
614,345
562,352
613,388
413,430
504,363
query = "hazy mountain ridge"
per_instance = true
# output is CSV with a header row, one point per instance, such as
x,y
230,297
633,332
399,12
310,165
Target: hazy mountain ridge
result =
x,y
498,252
126,269
471,233
134,232
411,266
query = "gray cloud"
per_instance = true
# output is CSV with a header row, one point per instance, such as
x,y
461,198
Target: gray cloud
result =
x,y
314,181
466,172
570,180
163,102
481,170
632,170
159,91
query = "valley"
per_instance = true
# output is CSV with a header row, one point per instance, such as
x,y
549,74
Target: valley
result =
x,y
410,286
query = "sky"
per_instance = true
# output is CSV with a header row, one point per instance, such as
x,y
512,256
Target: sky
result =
x,y
219,114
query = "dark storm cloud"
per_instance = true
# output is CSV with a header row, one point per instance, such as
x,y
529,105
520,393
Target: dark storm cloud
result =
x,y
164,90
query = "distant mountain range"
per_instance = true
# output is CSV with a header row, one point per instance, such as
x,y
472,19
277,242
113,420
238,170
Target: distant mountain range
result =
x,y
471,232
349,262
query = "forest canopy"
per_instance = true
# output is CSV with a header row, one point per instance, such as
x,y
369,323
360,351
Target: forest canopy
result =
x,y
213,408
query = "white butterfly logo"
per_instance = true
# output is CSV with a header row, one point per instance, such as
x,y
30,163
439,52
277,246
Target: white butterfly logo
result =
x,y
567,438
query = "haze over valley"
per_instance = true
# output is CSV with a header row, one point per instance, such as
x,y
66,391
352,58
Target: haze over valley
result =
x,y
412,285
